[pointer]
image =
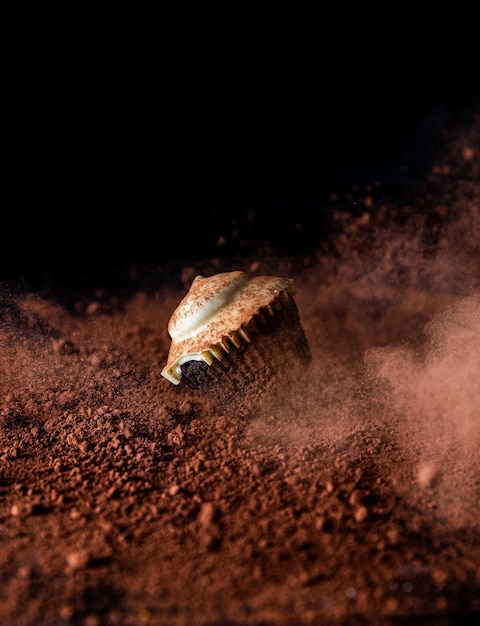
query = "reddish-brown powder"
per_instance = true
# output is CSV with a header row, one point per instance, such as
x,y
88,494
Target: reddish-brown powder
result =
x,y
125,500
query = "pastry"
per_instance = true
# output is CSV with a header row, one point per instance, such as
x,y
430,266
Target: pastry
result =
x,y
237,340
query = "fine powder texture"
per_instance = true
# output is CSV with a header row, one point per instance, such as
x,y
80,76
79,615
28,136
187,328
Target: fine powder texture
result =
x,y
352,499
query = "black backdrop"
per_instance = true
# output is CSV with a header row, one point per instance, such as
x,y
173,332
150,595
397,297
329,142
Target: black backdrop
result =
x,y
135,164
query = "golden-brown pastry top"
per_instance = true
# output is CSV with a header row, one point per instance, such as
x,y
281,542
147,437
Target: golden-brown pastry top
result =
x,y
213,313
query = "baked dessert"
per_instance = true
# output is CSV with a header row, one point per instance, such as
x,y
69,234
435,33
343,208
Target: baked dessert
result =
x,y
237,340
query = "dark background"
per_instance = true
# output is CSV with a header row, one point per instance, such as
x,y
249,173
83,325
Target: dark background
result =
x,y
134,156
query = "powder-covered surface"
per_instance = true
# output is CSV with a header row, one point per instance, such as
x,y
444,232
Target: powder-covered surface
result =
x,y
126,500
